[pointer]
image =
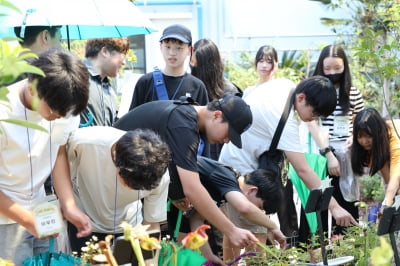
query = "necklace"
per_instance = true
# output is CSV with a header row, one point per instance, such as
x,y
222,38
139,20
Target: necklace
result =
x,y
25,103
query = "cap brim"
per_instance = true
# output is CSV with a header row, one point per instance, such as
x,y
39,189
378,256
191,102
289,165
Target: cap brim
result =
x,y
173,36
235,137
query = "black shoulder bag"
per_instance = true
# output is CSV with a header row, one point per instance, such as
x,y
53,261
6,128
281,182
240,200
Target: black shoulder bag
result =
x,y
273,159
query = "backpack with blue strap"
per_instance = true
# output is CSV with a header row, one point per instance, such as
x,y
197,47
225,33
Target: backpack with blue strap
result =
x,y
162,94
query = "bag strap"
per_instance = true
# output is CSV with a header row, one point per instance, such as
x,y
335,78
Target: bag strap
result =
x,y
159,84
282,122
52,245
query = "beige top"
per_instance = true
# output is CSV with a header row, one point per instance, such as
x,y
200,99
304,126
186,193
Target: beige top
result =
x,y
97,190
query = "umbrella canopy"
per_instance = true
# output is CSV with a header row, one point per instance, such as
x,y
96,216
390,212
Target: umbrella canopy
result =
x,y
81,19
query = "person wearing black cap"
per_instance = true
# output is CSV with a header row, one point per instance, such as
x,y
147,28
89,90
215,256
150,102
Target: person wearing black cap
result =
x,y
172,82
181,126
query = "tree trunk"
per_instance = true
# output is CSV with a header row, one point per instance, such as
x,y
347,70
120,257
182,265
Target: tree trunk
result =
x,y
386,97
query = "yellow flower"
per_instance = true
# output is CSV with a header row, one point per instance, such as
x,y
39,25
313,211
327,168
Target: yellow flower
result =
x,y
149,243
194,240
134,232
382,255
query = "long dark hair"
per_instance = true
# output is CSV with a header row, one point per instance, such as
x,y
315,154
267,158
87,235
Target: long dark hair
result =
x,y
210,68
345,82
370,122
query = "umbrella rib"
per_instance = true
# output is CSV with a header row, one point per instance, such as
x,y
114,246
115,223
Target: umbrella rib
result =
x,y
118,31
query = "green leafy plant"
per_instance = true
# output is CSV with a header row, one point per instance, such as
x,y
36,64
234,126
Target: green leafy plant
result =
x,y
372,188
12,65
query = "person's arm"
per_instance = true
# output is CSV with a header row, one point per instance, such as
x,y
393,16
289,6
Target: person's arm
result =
x,y
394,172
197,220
203,203
250,211
63,188
17,213
322,141
311,180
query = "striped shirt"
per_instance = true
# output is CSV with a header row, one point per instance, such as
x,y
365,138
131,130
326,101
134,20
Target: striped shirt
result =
x,y
341,125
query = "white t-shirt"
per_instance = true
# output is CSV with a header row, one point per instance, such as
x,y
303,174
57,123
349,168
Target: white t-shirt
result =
x,y
18,180
99,193
267,102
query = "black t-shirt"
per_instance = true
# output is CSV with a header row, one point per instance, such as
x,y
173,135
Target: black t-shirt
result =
x,y
145,92
217,178
181,135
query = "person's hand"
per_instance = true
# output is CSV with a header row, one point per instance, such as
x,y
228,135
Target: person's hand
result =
x,y
183,204
275,235
333,164
80,220
349,142
342,217
242,238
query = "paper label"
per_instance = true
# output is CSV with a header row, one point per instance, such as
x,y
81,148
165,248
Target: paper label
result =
x,y
47,215
341,126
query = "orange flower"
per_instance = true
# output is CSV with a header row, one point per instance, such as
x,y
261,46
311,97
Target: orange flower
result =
x,y
194,240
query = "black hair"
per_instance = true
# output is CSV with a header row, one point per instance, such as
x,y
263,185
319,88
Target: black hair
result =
x,y
320,94
268,52
65,86
345,82
269,188
209,67
142,158
31,33
370,122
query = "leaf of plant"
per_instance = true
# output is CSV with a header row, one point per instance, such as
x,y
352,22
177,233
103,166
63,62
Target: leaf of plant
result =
x,y
25,123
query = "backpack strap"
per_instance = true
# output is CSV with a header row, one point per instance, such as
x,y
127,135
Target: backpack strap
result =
x,y
159,84
282,122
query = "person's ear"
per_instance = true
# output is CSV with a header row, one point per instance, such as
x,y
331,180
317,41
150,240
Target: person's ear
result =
x,y
43,37
248,190
104,52
217,114
253,189
300,97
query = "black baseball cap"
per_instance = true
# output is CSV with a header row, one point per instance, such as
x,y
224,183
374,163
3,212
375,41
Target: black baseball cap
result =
x,y
178,32
238,114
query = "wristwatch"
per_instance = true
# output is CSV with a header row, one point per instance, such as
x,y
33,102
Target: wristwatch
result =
x,y
324,151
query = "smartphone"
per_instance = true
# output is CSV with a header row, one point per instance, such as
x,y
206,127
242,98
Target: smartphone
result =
x,y
123,252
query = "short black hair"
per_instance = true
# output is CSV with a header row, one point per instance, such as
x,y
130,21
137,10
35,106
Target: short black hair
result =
x,y
65,86
269,188
320,94
31,32
142,158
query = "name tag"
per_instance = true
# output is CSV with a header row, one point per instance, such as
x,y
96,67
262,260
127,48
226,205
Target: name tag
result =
x,y
341,126
47,214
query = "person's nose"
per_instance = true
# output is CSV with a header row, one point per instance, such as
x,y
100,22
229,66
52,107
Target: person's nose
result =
x,y
172,51
330,72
